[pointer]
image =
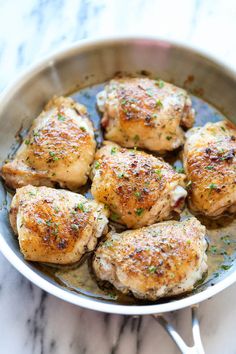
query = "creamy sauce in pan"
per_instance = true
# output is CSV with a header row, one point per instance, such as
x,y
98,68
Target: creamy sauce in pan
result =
x,y
221,233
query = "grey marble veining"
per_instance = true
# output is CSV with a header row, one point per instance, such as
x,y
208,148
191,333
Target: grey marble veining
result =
x,y
33,322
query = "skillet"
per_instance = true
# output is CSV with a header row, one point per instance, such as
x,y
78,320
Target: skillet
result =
x,y
87,64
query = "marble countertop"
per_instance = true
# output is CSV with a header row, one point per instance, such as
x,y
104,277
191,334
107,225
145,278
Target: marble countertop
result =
x,y
33,322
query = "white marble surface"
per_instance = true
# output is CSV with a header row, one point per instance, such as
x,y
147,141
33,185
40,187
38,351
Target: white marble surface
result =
x,y
33,322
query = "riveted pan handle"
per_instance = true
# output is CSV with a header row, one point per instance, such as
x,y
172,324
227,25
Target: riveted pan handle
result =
x,y
197,348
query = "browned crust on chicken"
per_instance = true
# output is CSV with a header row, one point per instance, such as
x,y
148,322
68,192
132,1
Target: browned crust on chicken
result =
x,y
210,165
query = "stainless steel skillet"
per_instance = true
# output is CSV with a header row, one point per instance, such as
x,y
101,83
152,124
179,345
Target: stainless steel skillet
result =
x,y
92,62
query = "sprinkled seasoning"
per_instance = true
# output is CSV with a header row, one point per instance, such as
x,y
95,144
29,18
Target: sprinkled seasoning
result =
x,y
137,194
136,138
158,172
179,169
168,137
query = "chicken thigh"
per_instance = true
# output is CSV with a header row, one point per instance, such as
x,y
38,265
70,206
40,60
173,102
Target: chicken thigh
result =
x,y
161,260
56,226
138,188
210,165
145,113
59,148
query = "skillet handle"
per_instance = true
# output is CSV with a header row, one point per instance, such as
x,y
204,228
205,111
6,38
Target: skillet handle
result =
x,y
183,347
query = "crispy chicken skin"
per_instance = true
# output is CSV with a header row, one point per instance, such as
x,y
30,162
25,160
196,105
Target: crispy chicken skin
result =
x,y
138,188
59,148
56,226
210,165
145,113
161,260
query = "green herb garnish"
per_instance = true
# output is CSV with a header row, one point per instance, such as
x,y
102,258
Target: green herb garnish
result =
x,y
61,117
159,103
159,83
113,150
139,211
74,226
212,186
96,165
152,269
225,266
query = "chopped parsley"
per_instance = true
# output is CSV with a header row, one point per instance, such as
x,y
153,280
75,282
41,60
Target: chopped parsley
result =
x,y
137,194
223,129
136,138
83,129
209,168
168,137
121,175
212,186
225,266
80,206
152,269
139,211
96,165
27,142
113,150
52,153
226,240
159,83
149,92
74,226
213,249
159,103
61,117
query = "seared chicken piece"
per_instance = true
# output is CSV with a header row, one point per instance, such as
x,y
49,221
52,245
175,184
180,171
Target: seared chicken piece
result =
x,y
210,165
56,226
161,260
59,148
145,113
138,188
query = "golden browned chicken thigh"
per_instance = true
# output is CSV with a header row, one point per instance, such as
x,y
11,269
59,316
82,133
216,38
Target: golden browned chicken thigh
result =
x,y
161,260
59,148
145,113
210,165
56,226
138,188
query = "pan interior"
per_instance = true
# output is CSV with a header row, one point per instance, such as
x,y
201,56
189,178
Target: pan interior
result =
x,y
82,71
221,233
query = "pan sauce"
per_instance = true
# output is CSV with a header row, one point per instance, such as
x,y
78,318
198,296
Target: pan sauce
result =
x,y
221,233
